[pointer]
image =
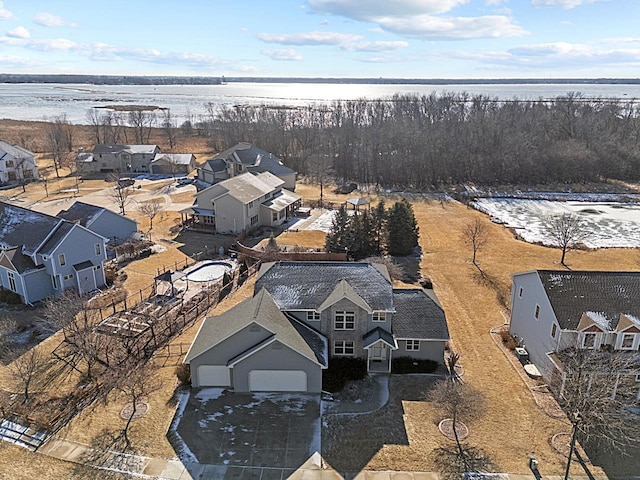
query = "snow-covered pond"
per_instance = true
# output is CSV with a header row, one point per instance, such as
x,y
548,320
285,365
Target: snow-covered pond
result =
x,y
610,224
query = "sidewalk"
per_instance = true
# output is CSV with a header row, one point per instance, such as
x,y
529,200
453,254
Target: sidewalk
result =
x,y
176,470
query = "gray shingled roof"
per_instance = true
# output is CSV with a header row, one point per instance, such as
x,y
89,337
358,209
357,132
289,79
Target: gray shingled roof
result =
x,y
305,285
103,148
418,316
23,263
62,231
175,158
217,164
260,309
608,293
246,187
255,159
82,213
14,150
372,336
22,227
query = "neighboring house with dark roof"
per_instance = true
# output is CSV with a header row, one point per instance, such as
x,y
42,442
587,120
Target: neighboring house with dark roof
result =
x,y
245,157
320,310
173,163
41,255
556,310
16,164
242,203
111,225
117,158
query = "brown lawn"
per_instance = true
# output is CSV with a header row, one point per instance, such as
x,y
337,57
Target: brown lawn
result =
x,y
513,427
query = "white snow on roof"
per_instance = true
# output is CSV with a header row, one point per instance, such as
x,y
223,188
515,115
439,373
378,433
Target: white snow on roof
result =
x,y
599,319
633,318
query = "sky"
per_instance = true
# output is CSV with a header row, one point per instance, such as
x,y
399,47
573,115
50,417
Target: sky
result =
x,y
453,39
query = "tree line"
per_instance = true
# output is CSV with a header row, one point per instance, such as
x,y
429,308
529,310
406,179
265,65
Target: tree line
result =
x,y
432,141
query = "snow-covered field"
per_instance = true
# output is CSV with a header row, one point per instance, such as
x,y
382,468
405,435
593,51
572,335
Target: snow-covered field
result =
x,y
610,224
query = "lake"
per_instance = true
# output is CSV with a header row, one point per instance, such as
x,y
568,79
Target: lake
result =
x,y
40,101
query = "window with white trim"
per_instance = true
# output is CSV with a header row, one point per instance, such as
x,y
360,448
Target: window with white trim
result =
x,y
254,220
589,340
54,280
537,314
627,341
343,347
554,330
10,163
12,281
313,316
68,277
62,260
250,204
344,320
379,316
98,249
413,345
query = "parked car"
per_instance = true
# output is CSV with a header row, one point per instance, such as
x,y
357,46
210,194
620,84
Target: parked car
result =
x,y
125,182
185,181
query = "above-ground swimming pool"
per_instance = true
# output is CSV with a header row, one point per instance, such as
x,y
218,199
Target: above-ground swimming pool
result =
x,y
209,271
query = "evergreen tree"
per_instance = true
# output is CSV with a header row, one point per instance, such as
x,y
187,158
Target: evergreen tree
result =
x,y
337,238
378,225
402,229
361,235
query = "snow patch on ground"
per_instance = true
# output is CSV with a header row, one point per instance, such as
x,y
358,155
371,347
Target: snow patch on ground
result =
x,y
610,224
184,452
207,394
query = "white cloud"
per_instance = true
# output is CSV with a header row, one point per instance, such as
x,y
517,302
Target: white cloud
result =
x,y
370,9
4,13
18,32
563,3
50,20
11,61
309,38
344,41
452,28
495,2
43,45
556,55
286,55
422,18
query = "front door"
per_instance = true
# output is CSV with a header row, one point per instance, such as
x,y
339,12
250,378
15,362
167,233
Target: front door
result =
x,y
379,351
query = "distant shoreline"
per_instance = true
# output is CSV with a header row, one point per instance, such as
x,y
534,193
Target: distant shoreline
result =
x,y
185,80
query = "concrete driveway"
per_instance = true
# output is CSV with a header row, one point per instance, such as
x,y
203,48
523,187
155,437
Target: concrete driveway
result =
x,y
258,430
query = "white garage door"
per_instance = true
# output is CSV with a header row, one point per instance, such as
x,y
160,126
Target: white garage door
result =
x,y
278,381
213,376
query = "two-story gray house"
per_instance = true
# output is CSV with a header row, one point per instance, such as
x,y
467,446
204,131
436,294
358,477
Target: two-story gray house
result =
x,y
16,164
41,255
117,158
304,313
556,310
242,158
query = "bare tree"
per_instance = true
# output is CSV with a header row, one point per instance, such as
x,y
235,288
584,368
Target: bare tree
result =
x,y
136,383
566,231
7,327
59,139
26,368
95,122
121,195
142,122
150,209
459,402
596,389
169,127
475,235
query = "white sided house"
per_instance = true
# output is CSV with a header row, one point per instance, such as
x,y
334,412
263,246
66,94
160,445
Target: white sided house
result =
x,y
242,203
106,223
242,158
557,310
16,164
41,255
304,313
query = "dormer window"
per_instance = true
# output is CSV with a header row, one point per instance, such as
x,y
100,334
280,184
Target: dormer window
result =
x,y
313,316
378,316
627,341
589,340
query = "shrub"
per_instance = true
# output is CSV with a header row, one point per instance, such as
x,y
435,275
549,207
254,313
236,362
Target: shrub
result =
x,y
3,294
507,339
13,298
341,371
413,365
183,372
